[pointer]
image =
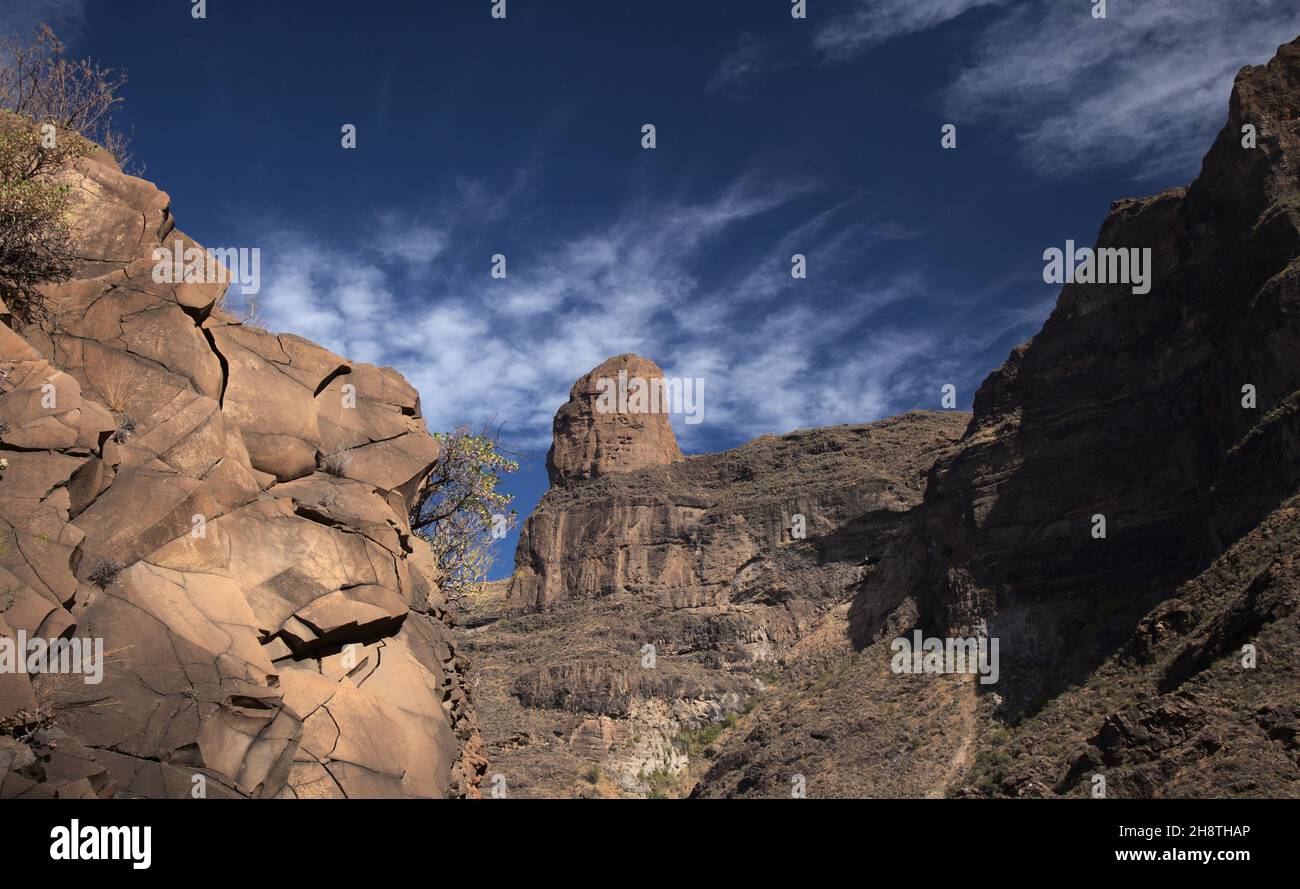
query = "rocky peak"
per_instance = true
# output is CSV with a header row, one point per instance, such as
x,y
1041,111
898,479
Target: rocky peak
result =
x,y
611,423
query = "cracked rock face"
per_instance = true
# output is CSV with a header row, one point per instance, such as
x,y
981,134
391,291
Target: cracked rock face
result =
x,y
226,509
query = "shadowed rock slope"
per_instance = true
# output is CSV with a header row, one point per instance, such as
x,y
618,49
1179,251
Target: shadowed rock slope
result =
x,y
226,509
1120,656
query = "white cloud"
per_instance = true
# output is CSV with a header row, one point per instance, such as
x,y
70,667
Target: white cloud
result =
x,y
1147,86
744,66
479,349
872,22
413,244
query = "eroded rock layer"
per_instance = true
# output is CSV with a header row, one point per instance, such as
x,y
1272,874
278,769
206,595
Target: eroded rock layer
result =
x,y
650,607
225,509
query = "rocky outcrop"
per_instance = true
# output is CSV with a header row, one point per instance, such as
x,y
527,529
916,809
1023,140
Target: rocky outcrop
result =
x,y
616,420
762,522
225,511
652,607
1201,701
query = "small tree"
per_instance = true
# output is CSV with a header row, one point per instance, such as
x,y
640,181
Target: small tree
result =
x,y
36,243
38,81
461,512
50,108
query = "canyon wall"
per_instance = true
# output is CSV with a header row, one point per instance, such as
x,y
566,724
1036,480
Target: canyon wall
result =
x,y
1158,656
1134,406
1120,513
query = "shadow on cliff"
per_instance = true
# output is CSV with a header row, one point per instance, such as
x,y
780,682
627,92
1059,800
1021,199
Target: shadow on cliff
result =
x,y
1128,409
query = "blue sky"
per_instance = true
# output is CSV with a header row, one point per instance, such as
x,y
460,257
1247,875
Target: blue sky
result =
x,y
522,136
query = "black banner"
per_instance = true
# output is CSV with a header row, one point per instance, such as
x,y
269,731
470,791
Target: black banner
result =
x,y
145,840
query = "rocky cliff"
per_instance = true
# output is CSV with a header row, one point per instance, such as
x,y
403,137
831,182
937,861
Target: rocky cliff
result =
x,y
711,529
1120,513
225,511
651,606
1133,407
1171,416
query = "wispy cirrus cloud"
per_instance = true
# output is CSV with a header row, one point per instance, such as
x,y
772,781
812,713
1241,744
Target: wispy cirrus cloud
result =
x,y
412,243
872,22
21,17
1148,84
748,63
775,353
1145,88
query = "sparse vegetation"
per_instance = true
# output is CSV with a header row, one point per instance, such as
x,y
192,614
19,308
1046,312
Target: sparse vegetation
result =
x,y
22,724
992,760
125,429
460,512
52,109
103,572
36,242
39,82
119,383
694,740
661,783
335,462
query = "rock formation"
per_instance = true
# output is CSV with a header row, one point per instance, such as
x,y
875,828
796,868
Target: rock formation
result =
x,y
732,566
1173,416
603,428
225,510
702,531
1170,414
1121,514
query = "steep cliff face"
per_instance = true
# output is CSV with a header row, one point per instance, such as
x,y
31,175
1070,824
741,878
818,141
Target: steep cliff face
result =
x,y
734,568
225,510
717,528
1159,656
1185,708
1130,406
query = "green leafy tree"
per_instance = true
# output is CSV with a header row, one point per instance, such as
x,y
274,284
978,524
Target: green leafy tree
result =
x,y
460,512
36,243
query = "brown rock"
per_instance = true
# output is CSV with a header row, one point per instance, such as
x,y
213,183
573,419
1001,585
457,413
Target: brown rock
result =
x,y
170,454
590,441
701,559
1120,654
705,530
